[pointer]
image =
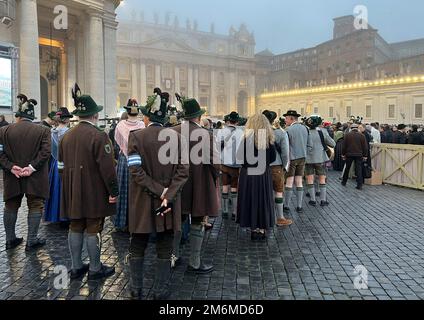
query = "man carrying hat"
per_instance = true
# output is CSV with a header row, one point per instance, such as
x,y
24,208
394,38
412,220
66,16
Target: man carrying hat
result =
x,y
298,140
24,155
199,196
89,186
354,148
155,183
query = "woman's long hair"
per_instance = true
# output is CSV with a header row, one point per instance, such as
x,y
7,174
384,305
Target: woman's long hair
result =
x,y
259,127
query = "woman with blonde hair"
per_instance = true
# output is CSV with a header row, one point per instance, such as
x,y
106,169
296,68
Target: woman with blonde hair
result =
x,y
255,206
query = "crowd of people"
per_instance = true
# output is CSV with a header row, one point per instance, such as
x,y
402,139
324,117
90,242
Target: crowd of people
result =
x,y
173,170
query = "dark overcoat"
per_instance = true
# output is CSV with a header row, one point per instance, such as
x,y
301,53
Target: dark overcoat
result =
x,y
149,176
199,197
87,167
23,144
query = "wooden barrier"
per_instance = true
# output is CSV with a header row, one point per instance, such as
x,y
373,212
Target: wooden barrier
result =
x,y
400,165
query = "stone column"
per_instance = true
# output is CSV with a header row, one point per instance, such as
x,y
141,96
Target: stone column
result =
x,y
196,83
96,61
177,79
110,63
212,104
29,52
190,82
80,55
143,83
63,78
158,79
232,96
134,83
252,95
72,72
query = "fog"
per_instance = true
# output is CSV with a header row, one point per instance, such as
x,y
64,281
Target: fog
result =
x,y
282,25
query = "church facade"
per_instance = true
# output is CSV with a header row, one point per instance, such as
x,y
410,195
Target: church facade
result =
x,y
49,45
217,70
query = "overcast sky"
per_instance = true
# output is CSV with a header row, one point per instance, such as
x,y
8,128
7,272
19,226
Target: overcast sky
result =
x,y
283,25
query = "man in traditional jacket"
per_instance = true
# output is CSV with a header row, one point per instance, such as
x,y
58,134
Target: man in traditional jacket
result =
x,y
155,182
49,121
89,186
199,197
24,154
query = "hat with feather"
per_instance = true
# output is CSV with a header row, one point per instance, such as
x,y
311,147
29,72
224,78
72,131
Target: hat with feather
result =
x,y
85,106
63,114
156,108
191,108
26,107
132,107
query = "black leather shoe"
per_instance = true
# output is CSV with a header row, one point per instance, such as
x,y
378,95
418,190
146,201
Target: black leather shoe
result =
x,y
318,194
359,187
12,244
344,183
203,269
308,195
162,296
137,294
254,236
37,245
313,203
325,203
299,210
77,274
105,272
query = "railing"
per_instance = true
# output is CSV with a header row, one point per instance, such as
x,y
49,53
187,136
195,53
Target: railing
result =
x,y
400,165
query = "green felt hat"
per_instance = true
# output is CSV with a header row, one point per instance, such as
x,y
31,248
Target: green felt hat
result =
x,y
192,109
85,106
234,117
156,109
26,107
52,115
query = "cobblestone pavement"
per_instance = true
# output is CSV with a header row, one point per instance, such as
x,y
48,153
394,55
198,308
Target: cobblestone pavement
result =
x,y
380,228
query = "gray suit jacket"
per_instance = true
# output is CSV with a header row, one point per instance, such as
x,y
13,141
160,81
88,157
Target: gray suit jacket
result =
x,y
316,153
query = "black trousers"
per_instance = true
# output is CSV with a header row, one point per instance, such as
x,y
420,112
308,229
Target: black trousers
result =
x,y
164,240
358,169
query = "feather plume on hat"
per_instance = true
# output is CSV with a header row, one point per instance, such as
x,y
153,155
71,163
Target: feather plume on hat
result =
x,y
22,99
180,100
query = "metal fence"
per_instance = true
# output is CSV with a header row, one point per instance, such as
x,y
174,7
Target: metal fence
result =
x,y
400,165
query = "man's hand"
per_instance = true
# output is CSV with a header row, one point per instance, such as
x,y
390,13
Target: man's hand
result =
x,y
162,197
27,171
17,171
165,204
113,200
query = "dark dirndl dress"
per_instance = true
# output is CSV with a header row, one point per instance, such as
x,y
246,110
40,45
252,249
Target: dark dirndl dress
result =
x,y
255,205
338,163
52,210
121,217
